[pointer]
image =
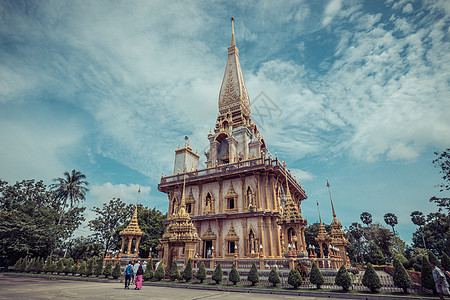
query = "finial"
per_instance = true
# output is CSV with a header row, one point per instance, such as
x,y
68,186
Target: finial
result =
x,y
233,42
318,210
139,192
332,206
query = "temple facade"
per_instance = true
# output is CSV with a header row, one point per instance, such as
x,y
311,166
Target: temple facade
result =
x,y
244,204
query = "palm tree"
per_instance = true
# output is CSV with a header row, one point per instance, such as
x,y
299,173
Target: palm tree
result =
x,y
418,219
70,187
391,220
366,218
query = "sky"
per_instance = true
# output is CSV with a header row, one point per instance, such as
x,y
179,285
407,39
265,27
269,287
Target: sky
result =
x,y
353,91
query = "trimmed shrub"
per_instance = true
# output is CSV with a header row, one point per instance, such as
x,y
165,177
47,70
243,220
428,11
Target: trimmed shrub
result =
x,y
75,269
29,266
201,273
174,273
160,273
316,277
401,277
343,278
16,266
253,275
427,275
99,268
107,271
371,279
82,269
116,271
234,275
149,273
274,278
401,259
217,276
295,279
23,265
60,266
187,273
90,267
48,263
68,267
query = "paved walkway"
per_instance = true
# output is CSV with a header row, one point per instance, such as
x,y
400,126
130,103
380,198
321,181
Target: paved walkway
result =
x,y
38,288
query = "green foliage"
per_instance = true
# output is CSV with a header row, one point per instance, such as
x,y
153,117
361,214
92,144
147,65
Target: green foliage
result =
x,y
217,276
30,266
23,265
75,269
90,267
28,216
234,275
160,273
149,273
60,265
174,273
376,257
402,259
99,268
39,265
391,220
343,278
274,278
84,248
187,273
426,275
445,260
116,271
47,266
107,271
16,266
69,265
201,273
316,277
371,279
366,218
401,277
295,279
253,275
433,259
82,269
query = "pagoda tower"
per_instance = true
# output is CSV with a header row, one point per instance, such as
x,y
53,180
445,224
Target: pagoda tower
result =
x,y
132,231
322,236
338,239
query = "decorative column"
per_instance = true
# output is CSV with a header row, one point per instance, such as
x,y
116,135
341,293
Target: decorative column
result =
x,y
269,231
261,234
266,191
245,237
220,196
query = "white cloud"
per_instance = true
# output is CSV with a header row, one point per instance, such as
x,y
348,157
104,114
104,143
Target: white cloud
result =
x,y
408,9
302,175
127,193
331,10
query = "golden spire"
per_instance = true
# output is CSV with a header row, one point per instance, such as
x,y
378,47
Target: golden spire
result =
x,y
318,210
233,42
183,201
332,206
133,226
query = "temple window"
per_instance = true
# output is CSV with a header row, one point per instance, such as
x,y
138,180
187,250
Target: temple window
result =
x,y
231,246
231,203
189,208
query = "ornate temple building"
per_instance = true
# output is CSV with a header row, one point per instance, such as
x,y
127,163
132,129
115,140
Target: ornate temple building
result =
x,y
244,204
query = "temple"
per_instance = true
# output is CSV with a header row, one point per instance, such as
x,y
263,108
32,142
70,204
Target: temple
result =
x,y
245,205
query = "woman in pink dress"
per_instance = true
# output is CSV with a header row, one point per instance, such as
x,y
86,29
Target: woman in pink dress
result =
x,y
139,274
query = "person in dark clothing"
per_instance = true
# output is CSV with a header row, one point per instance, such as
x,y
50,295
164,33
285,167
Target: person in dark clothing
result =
x,y
139,274
128,274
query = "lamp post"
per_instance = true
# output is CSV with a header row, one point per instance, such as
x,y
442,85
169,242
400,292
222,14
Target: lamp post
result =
x,y
261,251
235,251
212,251
294,253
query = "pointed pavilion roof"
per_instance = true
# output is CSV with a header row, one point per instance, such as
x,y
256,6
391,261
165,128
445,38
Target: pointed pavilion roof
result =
x,y
133,227
291,214
233,94
322,235
337,234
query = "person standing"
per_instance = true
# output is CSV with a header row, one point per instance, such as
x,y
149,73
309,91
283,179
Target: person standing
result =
x,y
135,268
128,274
440,281
139,274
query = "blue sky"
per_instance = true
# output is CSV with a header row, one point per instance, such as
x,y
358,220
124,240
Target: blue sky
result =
x,y
353,91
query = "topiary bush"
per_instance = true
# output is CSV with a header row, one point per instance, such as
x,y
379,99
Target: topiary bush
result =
x,y
187,273
427,275
343,278
90,267
116,271
107,271
201,273
48,263
99,268
371,279
174,273
316,277
23,265
218,274
149,273
401,259
68,266
234,275
29,266
401,277
160,273
274,278
16,266
295,279
75,269
253,275
82,269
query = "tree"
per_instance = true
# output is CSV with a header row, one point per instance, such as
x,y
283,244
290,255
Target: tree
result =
x,y
174,272
253,275
201,273
391,220
356,231
99,268
401,277
295,279
418,219
149,273
234,276
27,220
371,279
68,266
445,261
274,278
375,255
90,267
436,232
75,269
316,277
84,248
217,275
443,162
343,278
107,270
160,273
116,271
366,218
426,276
82,269
187,273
